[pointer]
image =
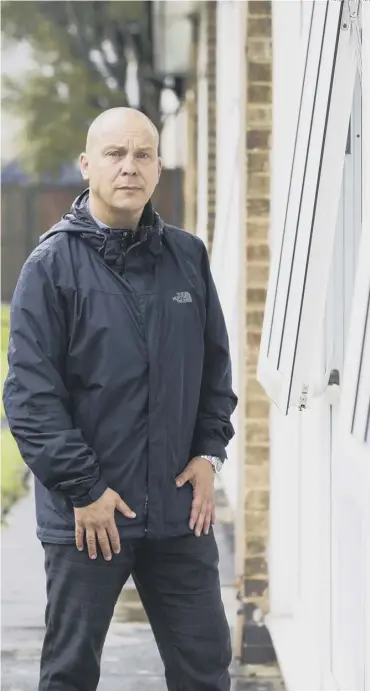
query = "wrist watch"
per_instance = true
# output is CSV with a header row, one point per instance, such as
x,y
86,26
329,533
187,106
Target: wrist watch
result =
x,y
216,462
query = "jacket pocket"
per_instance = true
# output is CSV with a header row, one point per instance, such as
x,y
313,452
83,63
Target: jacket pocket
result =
x,y
178,503
60,505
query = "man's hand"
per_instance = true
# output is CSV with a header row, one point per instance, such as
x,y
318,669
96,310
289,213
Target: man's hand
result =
x,y
98,521
199,472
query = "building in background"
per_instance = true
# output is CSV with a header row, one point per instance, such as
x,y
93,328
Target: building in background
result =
x,y
33,203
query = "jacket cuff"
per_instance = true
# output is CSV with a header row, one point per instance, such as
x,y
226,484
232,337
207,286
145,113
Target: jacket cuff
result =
x,y
209,447
93,495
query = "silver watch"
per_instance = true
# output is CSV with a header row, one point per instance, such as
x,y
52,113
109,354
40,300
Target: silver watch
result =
x,y
216,462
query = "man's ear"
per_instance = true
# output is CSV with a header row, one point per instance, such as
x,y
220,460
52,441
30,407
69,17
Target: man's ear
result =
x,y
84,166
160,166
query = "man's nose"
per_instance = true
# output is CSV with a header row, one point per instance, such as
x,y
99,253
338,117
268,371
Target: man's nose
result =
x,y
128,166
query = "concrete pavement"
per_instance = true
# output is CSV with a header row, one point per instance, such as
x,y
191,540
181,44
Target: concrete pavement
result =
x,y
130,661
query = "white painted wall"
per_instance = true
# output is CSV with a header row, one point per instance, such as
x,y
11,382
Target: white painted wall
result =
x,y
319,589
174,139
202,142
227,252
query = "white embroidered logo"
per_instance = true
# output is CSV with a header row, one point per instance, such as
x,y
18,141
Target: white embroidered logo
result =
x,y
182,297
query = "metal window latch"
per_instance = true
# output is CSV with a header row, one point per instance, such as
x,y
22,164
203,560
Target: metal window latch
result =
x,y
332,393
328,386
334,378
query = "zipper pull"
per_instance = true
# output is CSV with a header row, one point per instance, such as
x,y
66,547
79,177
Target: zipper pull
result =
x,y
99,234
146,514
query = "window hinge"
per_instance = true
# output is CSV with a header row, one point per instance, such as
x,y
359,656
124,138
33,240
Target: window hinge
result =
x,y
351,21
303,399
354,8
350,14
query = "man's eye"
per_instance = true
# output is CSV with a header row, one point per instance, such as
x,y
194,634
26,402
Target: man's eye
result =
x,y
143,154
114,154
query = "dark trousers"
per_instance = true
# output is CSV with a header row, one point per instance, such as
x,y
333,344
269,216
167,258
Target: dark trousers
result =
x,y
178,582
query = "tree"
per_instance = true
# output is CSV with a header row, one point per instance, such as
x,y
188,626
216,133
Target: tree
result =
x,y
82,51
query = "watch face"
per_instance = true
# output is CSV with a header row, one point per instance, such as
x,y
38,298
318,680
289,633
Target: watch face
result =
x,y
218,465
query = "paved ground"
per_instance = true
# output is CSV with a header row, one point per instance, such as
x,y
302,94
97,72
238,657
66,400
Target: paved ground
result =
x,y
131,661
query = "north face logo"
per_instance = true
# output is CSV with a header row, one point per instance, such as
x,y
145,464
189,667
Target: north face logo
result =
x,y
182,297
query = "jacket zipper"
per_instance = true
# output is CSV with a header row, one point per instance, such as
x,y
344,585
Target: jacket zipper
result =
x,y
136,244
146,514
131,247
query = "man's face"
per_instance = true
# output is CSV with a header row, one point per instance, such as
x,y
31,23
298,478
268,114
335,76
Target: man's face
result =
x,y
122,165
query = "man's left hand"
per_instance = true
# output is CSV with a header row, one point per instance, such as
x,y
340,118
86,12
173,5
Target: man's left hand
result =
x,y
199,472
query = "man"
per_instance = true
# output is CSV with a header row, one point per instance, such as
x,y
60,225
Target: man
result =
x,y
119,396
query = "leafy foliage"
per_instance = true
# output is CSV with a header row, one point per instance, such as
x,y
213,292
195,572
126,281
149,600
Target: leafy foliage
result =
x,y
82,52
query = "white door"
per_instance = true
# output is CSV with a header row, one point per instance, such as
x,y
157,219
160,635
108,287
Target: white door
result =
x,y
350,434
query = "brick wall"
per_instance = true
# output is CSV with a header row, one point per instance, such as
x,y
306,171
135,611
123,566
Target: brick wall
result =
x,y
257,647
211,13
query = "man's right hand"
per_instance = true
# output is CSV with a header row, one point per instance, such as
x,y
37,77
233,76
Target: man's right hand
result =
x,y
98,521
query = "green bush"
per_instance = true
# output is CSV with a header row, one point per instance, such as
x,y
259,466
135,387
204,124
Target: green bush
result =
x,y
12,465
5,317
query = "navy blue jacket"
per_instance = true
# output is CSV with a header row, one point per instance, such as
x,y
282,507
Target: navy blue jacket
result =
x,y
119,371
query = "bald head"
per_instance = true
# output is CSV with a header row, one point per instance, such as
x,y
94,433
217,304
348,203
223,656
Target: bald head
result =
x,y
125,119
121,164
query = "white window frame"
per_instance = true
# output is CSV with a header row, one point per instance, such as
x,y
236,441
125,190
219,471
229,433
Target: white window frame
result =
x,y
355,396
345,250
352,451
300,268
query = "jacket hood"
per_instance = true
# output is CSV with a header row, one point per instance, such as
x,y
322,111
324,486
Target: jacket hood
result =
x,y
79,220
